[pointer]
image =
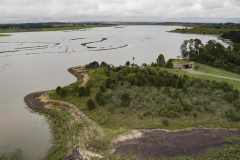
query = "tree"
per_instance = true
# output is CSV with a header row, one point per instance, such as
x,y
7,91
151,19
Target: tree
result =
x,y
236,94
63,92
160,60
169,63
127,64
58,90
90,104
144,65
100,98
81,91
133,59
125,99
103,65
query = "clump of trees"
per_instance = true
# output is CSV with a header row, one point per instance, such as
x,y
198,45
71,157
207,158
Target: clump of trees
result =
x,y
232,35
84,91
213,53
95,65
61,91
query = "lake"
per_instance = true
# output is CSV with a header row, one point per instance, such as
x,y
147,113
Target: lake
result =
x,y
38,61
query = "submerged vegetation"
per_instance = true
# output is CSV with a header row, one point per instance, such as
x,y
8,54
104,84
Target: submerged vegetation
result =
x,y
17,155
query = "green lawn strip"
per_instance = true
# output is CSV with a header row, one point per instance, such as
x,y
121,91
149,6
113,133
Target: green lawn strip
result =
x,y
214,31
211,70
4,35
50,29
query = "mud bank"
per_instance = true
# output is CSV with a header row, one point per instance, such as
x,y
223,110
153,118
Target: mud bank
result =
x,y
157,143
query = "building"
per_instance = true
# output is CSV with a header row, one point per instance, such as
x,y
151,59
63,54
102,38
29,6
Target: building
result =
x,y
188,65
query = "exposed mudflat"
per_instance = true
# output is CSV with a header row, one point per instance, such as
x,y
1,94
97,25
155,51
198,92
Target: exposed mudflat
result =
x,y
156,143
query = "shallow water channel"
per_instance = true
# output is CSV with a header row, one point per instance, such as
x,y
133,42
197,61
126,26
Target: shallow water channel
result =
x,y
38,61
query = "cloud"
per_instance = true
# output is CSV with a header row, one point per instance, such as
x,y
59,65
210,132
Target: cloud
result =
x,y
115,10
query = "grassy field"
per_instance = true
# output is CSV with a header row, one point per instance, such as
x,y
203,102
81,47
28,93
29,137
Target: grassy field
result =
x,y
119,120
50,29
208,112
4,35
210,70
214,31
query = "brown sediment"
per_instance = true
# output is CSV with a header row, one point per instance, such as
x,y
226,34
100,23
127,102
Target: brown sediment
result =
x,y
157,143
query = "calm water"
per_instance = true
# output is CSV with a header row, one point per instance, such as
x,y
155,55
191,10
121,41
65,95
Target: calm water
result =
x,y
38,61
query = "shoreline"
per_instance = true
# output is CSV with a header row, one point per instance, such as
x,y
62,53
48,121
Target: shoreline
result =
x,y
33,102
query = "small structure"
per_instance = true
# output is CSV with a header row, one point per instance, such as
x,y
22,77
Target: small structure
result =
x,y
189,65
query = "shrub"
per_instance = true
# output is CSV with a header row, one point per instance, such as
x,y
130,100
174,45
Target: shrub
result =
x,y
171,114
236,94
90,104
165,122
84,91
237,104
169,63
195,115
81,91
58,90
196,67
229,97
187,107
232,115
125,99
100,98
63,92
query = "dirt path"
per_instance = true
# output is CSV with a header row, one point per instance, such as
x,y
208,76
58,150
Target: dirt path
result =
x,y
192,71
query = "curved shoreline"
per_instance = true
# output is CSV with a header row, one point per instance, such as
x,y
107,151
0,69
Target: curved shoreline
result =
x,y
38,101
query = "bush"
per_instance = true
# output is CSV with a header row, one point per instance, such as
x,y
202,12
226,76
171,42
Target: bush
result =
x,y
102,88
195,115
187,107
229,97
196,67
125,99
84,91
63,92
169,63
100,98
232,115
165,122
58,90
90,104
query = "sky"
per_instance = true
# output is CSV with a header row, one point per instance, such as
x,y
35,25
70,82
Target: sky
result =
x,y
24,11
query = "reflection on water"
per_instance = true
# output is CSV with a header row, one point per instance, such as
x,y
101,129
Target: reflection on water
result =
x,y
38,61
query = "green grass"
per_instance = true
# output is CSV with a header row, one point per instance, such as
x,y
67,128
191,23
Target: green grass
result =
x,y
204,30
115,122
211,70
50,29
4,35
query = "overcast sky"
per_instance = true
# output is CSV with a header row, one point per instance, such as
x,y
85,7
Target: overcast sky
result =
x,y
21,11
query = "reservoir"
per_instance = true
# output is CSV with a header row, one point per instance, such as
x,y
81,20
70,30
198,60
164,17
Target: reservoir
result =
x,y
38,61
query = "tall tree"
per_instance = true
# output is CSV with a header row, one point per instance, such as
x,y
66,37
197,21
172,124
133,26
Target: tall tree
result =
x,y
160,60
